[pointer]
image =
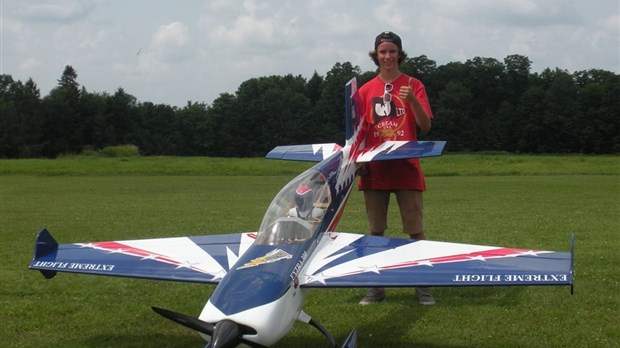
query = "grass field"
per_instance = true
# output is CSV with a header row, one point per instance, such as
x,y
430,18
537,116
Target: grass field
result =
x,y
495,199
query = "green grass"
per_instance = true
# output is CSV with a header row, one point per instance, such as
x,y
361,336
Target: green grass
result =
x,y
446,165
520,201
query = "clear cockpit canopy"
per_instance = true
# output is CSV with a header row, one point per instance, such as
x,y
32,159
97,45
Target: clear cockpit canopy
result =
x,y
288,219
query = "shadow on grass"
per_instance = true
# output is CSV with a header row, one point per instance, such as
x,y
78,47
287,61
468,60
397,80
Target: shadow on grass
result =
x,y
145,340
396,322
501,296
399,319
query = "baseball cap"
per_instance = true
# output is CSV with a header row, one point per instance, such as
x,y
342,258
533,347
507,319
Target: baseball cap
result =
x,y
388,36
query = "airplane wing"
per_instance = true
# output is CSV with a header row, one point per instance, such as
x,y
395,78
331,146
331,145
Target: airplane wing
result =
x,y
353,260
200,259
310,153
391,150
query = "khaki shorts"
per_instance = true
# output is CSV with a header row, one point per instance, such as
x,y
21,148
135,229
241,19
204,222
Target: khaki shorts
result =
x,y
410,203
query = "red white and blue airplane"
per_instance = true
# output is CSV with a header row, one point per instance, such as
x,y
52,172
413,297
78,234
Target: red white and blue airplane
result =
x,y
263,277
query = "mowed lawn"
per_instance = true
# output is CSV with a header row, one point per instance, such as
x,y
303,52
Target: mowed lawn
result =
x,y
519,201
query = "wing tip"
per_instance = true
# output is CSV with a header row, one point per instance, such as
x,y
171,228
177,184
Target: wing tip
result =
x,y
44,244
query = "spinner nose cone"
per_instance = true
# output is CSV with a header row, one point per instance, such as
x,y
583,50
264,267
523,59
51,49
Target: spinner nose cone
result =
x,y
227,334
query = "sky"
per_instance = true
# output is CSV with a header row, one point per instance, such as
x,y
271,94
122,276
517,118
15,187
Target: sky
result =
x,y
175,51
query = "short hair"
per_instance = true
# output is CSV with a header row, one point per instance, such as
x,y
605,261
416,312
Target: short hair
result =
x,y
388,36
402,55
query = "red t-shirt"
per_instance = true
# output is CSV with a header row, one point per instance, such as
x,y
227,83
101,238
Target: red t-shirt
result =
x,y
389,117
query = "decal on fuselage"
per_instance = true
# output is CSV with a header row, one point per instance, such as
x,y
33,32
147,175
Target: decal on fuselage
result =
x,y
271,257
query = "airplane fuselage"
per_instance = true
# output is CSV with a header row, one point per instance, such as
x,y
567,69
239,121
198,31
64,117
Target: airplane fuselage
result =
x,y
273,298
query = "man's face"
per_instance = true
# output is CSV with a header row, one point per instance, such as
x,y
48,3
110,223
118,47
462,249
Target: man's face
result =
x,y
387,54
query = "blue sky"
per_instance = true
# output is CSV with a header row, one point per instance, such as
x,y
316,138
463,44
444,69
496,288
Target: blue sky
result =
x,y
173,51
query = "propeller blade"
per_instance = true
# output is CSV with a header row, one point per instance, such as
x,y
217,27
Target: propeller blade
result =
x,y
351,341
225,329
186,320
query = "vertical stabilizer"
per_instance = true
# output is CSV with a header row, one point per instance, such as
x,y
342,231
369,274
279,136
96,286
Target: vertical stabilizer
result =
x,y
351,108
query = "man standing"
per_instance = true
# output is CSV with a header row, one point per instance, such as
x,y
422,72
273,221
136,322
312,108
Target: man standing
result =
x,y
393,104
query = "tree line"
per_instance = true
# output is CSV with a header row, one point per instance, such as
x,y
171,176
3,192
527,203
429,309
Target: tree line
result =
x,y
482,104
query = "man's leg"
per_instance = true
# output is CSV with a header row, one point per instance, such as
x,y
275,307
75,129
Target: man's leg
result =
x,y
377,203
411,205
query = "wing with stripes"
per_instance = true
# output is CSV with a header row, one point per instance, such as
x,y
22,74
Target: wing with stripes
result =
x,y
392,150
352,260
201,259
309,153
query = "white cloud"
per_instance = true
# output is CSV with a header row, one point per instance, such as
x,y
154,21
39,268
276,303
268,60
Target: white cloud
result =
x,y
196,49
170,45
255,29
518,13
171,42
31,64
55,11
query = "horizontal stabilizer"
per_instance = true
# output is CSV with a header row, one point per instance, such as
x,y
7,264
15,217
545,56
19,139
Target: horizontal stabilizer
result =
x,y
308,153
393,150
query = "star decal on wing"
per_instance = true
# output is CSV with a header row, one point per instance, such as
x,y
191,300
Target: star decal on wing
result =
x,y
179,252
346,255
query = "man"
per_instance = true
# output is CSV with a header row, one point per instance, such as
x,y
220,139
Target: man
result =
x,y
393,104
304,205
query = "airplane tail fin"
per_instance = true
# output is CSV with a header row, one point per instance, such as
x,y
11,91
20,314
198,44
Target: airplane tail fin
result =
x,y
45,244
319,152
352,114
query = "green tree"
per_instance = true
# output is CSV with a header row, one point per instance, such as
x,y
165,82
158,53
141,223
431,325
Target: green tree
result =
x,y
21,124
155,131
328,114
197,130
423,69
63,124
314,87
516,77
561,110
226,137
454,104
92,106
598,123
271,111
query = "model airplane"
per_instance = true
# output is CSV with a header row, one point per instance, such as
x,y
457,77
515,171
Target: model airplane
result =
x,y
263,277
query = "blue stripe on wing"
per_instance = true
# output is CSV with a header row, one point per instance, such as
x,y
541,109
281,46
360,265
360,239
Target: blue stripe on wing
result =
x,y
395,262
203,259
309,153
392,150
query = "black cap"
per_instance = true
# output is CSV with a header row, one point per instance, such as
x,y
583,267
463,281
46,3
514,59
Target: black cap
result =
x,y
388,36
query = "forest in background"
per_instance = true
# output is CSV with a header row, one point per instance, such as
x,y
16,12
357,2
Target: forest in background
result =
x,y
482,104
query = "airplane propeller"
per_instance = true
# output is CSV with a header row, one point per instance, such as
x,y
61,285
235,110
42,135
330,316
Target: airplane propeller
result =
x,y
187,321
225,333
228,334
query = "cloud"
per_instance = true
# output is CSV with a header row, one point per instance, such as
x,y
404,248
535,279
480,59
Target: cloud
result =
x,y
169,45
171,42
515,13
62,11
196,49
257,28
31,64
